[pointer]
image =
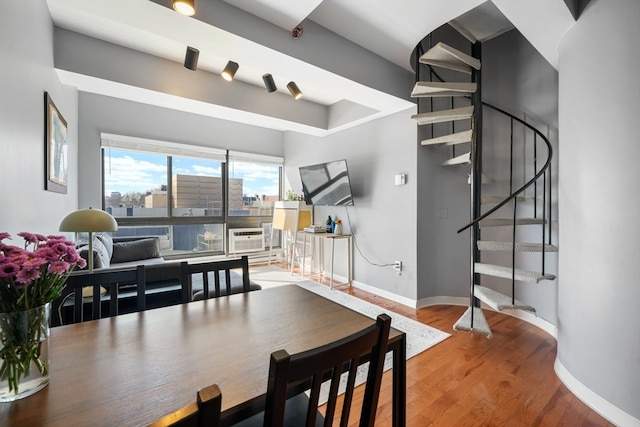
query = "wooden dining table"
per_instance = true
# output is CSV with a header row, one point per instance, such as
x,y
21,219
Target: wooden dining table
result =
x,y
132,369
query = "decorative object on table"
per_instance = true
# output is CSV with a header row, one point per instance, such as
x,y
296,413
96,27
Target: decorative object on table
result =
x,y
337,228
55,140
89,220
291,196
30,278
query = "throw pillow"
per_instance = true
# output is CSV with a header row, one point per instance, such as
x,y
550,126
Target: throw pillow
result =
x,y
134,250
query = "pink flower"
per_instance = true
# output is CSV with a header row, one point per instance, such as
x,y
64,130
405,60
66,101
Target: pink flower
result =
x,y
29,237
59,267
9,270
27,275
4,235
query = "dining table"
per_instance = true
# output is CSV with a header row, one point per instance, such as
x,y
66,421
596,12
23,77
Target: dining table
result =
x,y
132,369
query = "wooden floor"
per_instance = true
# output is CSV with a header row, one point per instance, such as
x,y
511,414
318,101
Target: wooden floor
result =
x,y
469,380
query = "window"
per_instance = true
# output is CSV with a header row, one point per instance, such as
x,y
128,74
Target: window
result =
x,y
254,184
186,195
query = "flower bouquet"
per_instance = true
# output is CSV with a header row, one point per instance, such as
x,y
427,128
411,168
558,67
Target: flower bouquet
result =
x,y
30,278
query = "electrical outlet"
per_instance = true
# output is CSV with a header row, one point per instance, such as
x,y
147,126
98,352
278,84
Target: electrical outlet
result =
x,y
397,266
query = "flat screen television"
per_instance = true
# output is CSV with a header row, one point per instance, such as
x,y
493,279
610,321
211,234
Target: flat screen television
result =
x,y
326,184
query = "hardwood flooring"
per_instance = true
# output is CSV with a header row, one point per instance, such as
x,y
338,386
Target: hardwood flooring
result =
x,y
469,380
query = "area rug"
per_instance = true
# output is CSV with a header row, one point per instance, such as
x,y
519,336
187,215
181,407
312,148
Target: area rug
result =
x,y
420,337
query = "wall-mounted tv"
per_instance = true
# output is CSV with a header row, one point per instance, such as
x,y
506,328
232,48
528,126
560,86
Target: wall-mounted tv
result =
x,y
326,184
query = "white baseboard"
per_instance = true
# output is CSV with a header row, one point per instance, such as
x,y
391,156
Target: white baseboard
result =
x,y
607,410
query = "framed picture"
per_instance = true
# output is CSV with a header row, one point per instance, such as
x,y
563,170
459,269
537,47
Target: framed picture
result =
x,y
56,148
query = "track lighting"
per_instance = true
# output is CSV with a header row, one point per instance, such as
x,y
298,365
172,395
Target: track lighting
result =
x,y
269,84
191,58
295,90
184,7
230,70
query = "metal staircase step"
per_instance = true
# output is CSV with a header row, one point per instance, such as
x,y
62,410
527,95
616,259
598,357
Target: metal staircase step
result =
x,y
451,139
487,200
506,273
442,55
459,160
479,326
502,222
444,115
435,89
488,245
499,301
483,178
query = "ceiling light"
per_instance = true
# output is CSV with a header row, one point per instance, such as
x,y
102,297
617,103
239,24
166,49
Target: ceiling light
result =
x,y
269,83
191,58
184,7
230,70
295,90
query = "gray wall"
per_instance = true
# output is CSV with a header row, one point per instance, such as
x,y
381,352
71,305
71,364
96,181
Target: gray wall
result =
x,y
383,218
519,80
105,114
26,72
599,319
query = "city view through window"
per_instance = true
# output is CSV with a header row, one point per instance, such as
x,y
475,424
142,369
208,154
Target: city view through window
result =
x,y
136,187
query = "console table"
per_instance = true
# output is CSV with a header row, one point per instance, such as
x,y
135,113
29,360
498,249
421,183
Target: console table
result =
x,y
321,237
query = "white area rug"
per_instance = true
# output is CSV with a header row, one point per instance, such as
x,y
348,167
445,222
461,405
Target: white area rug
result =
x,y
419,336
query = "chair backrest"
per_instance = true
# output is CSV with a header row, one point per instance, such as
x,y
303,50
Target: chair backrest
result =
x,y
110,280
218,268
288,372
204,412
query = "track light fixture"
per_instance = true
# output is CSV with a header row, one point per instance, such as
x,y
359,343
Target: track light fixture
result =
x,y
230,70
184,7
191,58
295,90
269,83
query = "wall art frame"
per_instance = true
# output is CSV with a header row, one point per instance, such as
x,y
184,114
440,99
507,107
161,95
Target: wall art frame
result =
x,y
56,145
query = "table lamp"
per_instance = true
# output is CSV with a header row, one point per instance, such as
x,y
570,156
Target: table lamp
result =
x,y
89,220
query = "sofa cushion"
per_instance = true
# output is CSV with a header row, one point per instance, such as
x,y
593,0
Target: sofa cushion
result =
x,y
101,258
135,250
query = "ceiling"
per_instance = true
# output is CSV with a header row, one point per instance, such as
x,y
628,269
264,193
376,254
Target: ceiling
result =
x,y
255,32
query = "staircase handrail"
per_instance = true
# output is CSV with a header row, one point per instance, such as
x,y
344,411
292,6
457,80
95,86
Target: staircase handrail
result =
x,y
526,185
514,194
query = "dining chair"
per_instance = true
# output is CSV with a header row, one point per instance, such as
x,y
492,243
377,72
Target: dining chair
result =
x,y
219,270
205,411
293,387
104,288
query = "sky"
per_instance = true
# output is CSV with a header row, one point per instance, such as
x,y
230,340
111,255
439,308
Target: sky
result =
x,y
132,171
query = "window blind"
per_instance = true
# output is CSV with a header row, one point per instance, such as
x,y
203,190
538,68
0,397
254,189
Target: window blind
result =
x,y
161,147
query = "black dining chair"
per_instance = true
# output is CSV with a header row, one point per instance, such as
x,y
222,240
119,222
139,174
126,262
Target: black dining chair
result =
x,y
293,387
215,278
103,287
204,412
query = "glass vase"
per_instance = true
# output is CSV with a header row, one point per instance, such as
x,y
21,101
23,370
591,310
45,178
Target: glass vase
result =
x,y
24,352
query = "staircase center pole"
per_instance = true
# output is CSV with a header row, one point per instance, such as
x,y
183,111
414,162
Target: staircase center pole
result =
x,y
476,172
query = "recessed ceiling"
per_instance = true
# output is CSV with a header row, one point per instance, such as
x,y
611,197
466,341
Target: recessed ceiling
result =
x,y
388,29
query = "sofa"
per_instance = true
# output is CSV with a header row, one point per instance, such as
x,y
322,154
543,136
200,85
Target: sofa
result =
x,y
120,252
162,278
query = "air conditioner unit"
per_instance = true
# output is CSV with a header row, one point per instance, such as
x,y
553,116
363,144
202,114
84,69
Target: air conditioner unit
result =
x,y
246,240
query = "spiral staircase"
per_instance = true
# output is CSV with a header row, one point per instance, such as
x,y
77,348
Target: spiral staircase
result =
x,y
527,198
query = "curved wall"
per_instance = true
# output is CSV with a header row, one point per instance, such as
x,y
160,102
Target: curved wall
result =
x,y
599,265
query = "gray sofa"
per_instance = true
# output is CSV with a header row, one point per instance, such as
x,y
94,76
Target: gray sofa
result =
x,y
120,251
162,278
